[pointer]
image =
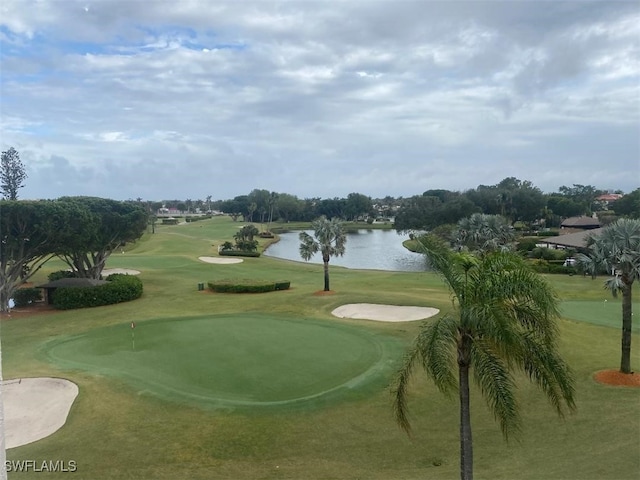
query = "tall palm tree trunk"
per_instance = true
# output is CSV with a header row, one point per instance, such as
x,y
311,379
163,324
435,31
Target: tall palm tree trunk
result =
x,y
625,360
326,275
466,444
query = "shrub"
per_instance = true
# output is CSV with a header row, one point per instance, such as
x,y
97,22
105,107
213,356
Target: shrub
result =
x,y
60,274
238,253
553,266
119,288
527,244
26,296
549,253
283,285
248,286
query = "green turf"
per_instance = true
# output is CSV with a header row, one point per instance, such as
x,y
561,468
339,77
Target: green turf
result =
x,y
607,312
117,431
249,360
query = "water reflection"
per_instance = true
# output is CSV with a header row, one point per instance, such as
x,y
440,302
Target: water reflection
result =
x,y
366,249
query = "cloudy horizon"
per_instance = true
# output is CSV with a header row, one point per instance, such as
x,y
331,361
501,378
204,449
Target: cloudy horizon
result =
x,y
185,99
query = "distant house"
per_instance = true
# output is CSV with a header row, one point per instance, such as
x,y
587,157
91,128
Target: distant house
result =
x,y
575,224
576,240
607,198
51,287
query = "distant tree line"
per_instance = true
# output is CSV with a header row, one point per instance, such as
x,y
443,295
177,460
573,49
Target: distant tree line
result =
x,y
514,199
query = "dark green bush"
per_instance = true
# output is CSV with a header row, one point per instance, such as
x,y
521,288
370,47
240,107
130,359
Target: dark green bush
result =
x,y
197,219
119,288
60,274
553,266
248,286
527,244
26,296
549,253
283,285
238,253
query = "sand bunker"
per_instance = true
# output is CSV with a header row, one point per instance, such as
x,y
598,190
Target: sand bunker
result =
x,y
35,408
384,313
220,261
127,271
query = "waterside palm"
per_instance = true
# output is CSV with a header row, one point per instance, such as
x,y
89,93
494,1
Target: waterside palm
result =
x,y
330,240
503,319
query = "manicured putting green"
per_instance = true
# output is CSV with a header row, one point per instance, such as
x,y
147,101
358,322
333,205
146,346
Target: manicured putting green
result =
x,y
234,360
606,313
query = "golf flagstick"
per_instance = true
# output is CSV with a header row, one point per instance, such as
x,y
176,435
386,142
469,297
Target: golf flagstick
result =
x,y
133,335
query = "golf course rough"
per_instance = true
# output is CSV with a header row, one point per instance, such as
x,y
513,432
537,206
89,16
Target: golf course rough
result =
x,y
235,360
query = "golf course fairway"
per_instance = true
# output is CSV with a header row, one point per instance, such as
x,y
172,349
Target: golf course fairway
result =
x,y
233,360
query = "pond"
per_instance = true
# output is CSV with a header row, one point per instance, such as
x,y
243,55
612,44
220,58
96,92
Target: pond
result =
x,y
366,249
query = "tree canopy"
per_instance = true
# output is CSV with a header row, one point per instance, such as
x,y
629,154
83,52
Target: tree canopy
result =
x,y
31,232
109,224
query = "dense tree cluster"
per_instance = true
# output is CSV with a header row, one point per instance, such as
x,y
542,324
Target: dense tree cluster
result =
x,y
82,231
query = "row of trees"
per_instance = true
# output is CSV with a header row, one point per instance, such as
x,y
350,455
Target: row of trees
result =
x,y
82,231
514,199
264,206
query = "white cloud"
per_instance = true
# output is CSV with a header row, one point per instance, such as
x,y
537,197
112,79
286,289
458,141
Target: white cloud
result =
x,y
382,97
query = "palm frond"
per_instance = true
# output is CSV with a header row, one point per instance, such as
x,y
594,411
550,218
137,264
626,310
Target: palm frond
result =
x,y
497,386
436,342
546,369
400,388
433,348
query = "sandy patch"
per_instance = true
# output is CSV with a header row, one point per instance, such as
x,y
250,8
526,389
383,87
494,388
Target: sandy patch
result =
x,y
35,408
384,313
127,271
220,261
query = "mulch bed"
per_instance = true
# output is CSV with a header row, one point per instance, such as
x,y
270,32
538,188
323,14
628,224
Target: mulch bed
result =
x,y
618,379
321,293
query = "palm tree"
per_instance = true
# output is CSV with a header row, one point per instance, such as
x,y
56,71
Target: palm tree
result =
x,y
484,232
330,240
503,319
618,248
595,261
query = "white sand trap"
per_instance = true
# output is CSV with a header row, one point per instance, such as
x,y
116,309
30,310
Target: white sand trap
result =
x,y
127,271
384,313
220,260
35,408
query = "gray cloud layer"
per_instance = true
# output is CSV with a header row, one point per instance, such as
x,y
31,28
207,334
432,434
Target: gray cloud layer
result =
x,y
185,99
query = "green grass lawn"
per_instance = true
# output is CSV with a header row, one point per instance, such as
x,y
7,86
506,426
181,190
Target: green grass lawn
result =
x,y
233,360
607,312
156,412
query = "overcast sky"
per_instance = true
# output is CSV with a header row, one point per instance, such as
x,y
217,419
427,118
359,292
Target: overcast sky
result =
x,y
185,98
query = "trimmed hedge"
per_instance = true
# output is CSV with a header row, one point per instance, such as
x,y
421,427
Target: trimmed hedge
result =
x,y
553,266
119,288
248,286
60,274
238,253
26,296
